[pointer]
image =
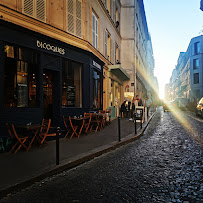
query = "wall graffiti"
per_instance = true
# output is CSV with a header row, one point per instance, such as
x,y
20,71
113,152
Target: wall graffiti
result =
x,y
5,144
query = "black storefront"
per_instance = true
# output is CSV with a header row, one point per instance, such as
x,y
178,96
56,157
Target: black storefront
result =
x,y
41,77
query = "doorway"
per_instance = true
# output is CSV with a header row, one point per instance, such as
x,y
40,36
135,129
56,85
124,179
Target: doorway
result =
x,y
48,93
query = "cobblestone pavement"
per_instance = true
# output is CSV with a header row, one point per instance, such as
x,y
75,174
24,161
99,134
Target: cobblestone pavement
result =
x,y
165,165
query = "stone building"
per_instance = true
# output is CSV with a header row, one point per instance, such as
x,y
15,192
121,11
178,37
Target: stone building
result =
x,y
188,80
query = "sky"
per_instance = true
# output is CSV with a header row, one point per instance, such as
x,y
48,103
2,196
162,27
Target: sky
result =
x,y
172,24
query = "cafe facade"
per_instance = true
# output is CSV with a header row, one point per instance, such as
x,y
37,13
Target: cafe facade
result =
x,y
41,77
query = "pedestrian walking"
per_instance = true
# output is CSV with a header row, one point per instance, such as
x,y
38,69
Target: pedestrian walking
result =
x,y
139,100
123,109
133,105
148,104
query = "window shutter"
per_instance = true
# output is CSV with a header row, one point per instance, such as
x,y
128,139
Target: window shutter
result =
x,y
96,32
111,53
78,18
93,30
70,16
105,48
40,10
28,7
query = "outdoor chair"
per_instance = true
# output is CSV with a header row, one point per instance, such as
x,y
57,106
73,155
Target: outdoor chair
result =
x,y
95,123
45,131
103,123
19,140
87,122
74,128
70,129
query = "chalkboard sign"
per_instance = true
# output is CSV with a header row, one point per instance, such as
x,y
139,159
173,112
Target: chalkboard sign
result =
x,y
71,96
22,95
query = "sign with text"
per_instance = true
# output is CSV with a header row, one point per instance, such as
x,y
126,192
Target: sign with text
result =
x,y
96,65
47,46
71,96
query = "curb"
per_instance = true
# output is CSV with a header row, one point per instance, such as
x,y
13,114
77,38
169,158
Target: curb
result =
x,y
78,161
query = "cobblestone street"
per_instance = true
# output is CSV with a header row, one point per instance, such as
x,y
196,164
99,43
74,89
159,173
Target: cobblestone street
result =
x,y
164,165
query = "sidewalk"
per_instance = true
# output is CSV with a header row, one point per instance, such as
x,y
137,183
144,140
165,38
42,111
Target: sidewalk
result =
x,y
23,168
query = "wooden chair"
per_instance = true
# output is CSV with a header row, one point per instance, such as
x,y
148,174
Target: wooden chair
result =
x,y
20,141
103,122
88,122
69,129
45,131
95,123
74,128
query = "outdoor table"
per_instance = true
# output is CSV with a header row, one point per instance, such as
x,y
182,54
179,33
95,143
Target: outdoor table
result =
x,y
80,121
34,128
102,117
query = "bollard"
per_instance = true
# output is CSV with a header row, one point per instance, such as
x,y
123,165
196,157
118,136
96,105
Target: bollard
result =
x,y
119,129
57,145
135,123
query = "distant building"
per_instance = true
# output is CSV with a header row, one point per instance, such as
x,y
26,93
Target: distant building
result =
x,y
187,78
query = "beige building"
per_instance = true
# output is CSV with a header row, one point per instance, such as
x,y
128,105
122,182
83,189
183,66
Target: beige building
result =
x,y
136,51
78,44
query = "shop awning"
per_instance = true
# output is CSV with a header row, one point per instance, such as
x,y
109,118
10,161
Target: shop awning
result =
x,y
119,72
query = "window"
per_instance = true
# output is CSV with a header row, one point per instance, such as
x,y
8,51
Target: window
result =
x,y
107,45
74,15
20,77
197,48
96,89
195,64
35,9
94,31
196,78
71,84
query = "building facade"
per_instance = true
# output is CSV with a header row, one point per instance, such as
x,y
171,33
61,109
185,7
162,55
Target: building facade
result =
x,y
136,51
187,78
58,58
67,57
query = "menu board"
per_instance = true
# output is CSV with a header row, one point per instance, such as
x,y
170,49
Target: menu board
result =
x,y
71,96
22,92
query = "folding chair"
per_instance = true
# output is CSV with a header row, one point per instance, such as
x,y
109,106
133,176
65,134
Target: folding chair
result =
x,y
74,128
45,132
88,122
95,123
69,129
20,141
104,116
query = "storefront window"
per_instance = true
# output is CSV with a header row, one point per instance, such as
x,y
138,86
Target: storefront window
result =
x,y
96,90
71,84
20,77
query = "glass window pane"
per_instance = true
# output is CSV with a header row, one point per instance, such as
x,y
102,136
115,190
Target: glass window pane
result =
x,y
71,85
20,78
96,89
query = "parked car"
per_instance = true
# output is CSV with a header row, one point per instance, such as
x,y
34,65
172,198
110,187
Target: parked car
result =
x,y
169,106
199,108
181,103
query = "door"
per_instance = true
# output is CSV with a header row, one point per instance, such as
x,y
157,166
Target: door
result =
x,y
48,93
